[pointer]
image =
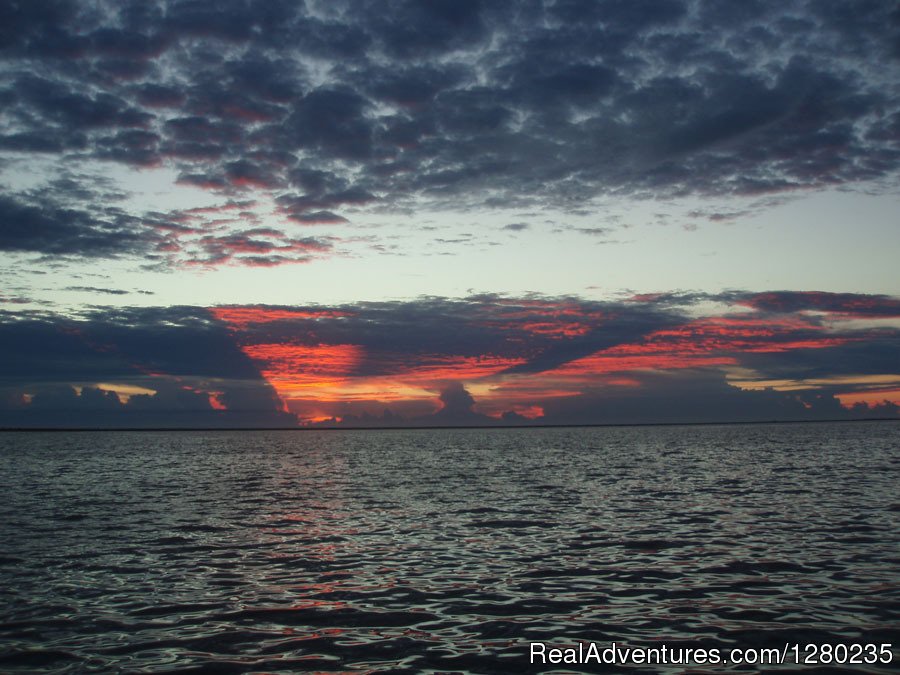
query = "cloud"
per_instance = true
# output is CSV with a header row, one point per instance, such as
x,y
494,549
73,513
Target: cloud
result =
x,y
181,354
531,350
95,289
471,103
694,396
169,407
46,227
81,219
434,361
594,231
297,207
318,218
844,304
457,409
265,248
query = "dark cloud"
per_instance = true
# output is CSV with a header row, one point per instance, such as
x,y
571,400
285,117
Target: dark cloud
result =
x,y
265,248
79,216
455,399
181,354
331,121
594,231
853,304
698,396
470,103
415,86
318,218
170,407
457,409
15,299
873,352
95,289
72,110
415,29
33,226
244,173
294,204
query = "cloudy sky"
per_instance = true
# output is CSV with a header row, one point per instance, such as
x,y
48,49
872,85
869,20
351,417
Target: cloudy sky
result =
x,y
272,212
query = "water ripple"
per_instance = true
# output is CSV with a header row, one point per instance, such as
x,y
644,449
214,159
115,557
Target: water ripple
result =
x,y
417,551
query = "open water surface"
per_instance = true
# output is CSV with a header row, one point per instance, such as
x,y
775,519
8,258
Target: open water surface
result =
x,y
441,550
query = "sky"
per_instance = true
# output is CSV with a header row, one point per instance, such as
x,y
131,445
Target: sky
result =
x,y
272,213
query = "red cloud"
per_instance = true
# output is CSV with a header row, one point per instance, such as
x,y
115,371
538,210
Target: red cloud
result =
x,y
296,369
243,317
735,334
314,362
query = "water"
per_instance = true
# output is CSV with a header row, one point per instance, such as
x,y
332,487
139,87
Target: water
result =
x,y
443,550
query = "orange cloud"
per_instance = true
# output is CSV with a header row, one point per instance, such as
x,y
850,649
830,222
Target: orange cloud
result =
x,y
299,370
557,329
430,369
216,402
321,380
870,398
244,317
531,412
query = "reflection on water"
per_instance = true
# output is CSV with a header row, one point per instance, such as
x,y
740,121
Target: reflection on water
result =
x,y
440,550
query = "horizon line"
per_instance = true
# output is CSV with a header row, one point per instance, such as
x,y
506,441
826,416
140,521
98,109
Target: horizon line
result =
x,y
445,427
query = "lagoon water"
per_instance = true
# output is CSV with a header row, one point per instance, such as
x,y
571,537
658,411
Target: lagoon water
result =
x,y
441,550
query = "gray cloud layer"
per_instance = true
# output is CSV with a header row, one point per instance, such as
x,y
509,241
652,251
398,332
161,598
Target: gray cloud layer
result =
x,y
341,105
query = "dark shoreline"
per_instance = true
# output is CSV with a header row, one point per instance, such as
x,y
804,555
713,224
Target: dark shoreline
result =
x,y
445,427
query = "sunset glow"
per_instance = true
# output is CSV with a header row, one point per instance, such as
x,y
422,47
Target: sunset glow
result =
x,y
447,336
271,214
871,398
323,382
